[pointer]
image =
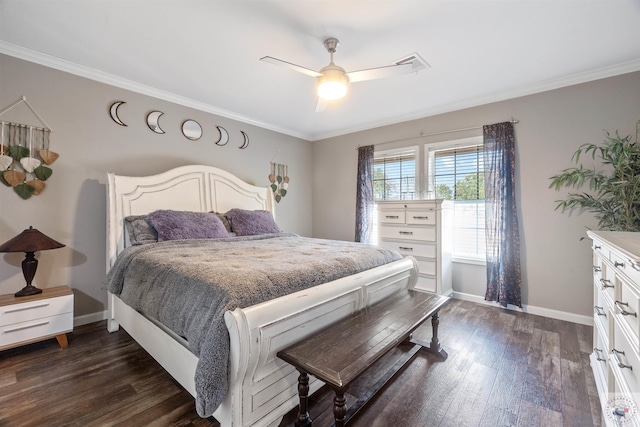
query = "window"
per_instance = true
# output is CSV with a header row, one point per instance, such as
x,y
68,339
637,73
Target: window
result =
x,y
456,173
394,175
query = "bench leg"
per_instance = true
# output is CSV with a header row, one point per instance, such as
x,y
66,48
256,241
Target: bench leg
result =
x,y
434,347
339,407
303,393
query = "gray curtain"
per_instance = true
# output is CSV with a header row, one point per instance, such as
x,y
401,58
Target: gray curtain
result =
x,y
364,195
502,231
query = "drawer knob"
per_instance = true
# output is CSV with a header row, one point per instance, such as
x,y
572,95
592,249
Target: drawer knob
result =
x,y
403,248
599,353
616,354
622,309
420,217
597,247
618,264
392,216
606,283
406,232
596,268
600,311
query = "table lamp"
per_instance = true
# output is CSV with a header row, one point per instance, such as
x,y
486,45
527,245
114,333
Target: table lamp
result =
x,y
29,241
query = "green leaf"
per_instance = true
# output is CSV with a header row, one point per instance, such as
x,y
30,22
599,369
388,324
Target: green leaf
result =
x,y
18,152
278,198
279,179
42,172
2,180
274,187
25,191
283,192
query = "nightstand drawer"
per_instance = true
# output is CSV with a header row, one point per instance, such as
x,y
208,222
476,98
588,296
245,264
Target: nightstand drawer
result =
x,y
37,309
33,329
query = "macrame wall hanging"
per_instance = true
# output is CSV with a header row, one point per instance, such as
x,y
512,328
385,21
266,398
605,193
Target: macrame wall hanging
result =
x,y
279,178
25,155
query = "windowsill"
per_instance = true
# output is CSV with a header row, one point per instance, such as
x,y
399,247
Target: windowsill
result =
x,y
468,260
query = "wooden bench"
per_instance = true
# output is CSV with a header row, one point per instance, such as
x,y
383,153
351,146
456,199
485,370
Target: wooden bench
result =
x,y
342,351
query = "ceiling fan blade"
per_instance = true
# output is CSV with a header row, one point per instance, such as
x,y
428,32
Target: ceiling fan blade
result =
x,y
321,105
294,67
380,72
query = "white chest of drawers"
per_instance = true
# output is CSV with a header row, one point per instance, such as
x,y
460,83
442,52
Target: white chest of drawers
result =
x,y
422,229
616,331
37,317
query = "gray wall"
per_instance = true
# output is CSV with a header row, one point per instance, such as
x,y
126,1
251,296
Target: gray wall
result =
x,y
556,269
72,207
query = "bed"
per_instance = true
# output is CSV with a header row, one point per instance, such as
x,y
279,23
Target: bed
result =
x,y
261,387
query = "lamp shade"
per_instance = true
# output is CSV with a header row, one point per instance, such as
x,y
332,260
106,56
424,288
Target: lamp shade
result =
x,y
30,240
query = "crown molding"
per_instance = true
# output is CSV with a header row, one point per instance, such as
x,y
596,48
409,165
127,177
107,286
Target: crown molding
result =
x,y
60,64
102,77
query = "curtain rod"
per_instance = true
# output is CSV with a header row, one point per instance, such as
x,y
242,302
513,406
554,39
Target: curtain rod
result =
x,y
424,135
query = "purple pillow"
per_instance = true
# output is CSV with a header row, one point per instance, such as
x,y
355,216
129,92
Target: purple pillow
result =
x,y
249,223
174,225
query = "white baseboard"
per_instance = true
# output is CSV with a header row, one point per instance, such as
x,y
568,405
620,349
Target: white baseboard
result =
x,y
89,318
540,311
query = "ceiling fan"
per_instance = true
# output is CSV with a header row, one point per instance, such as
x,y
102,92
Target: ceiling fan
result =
x,y
333,80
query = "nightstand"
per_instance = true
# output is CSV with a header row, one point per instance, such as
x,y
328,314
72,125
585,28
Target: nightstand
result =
x,y
34,318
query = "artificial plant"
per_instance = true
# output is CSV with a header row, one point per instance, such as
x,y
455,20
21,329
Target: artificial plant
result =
x,y
614,195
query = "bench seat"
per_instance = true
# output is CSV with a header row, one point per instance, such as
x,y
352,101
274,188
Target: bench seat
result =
x,y
339,353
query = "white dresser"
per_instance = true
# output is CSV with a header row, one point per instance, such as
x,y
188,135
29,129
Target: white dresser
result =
x,y
422,229
616,331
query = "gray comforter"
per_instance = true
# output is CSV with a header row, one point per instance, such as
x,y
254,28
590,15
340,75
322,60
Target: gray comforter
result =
x,y
188,285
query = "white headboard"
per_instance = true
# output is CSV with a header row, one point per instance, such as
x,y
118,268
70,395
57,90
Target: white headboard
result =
x,y
188,188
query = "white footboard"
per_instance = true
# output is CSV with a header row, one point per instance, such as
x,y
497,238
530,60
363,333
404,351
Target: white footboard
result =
x,y
262,387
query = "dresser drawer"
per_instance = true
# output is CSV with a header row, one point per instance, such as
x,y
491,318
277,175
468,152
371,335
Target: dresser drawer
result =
x,y
391,216
626,310
600,364
426,250
34,329
602,312
625,266
426,267
624,359
421,216
407,233
605,278
38,309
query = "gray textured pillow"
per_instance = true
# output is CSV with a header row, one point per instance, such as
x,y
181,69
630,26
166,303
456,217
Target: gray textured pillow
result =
x,y
139,229
225,221
249,223
174,225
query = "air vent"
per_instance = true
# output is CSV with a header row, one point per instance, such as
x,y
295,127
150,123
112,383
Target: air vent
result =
x,y
416,60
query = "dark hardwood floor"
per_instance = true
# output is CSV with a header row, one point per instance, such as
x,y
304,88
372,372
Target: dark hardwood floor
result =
x,y
505,368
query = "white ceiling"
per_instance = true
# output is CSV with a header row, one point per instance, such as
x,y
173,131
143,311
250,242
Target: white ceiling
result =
x,y
205,54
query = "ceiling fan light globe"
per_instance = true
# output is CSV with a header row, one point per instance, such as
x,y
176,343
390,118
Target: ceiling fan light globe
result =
x,y
331,90
333,83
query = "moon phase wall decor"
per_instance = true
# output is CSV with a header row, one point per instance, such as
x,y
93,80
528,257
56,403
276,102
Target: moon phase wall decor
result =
x,y
245,144
113,111
153,121
224,136
191,129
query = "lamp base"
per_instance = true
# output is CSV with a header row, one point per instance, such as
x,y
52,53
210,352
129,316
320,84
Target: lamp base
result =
x,y
28,290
